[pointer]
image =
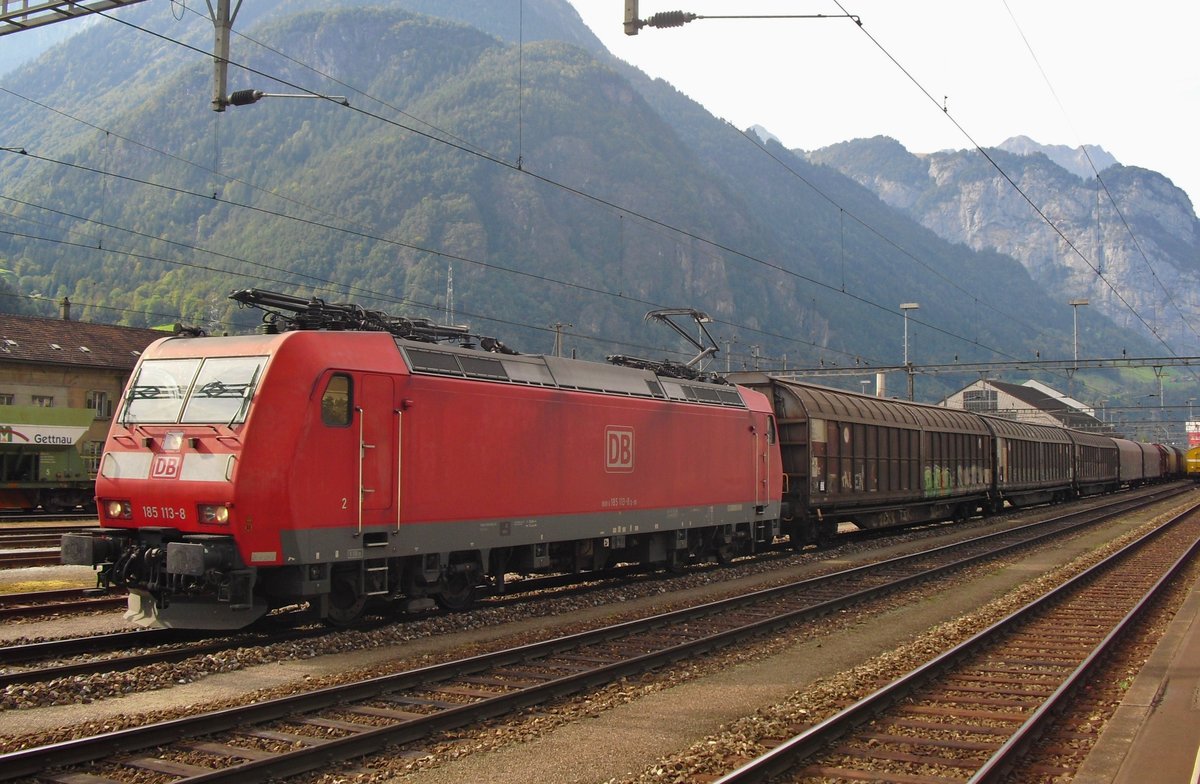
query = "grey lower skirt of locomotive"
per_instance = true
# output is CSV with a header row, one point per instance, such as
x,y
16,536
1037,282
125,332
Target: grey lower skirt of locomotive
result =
x,y
158,568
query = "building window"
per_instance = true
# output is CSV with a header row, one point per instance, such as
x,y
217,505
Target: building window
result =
x,y
45,401
91,452
6,399
982,400
99,402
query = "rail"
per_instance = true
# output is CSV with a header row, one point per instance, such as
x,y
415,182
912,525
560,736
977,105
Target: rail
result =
x,y
414,704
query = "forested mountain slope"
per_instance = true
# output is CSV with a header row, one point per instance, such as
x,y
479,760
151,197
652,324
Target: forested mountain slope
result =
x,y
558,184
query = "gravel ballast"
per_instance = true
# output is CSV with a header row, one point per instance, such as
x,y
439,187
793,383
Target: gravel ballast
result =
x,y
632,731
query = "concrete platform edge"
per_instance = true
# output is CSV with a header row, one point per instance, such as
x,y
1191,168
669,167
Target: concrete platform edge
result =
x,y
1145,714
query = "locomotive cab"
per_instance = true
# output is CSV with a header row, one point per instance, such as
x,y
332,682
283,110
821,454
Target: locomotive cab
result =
x,y
165,490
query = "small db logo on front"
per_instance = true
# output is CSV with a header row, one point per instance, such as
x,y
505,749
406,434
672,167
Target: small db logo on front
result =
x,y
165,467
618,457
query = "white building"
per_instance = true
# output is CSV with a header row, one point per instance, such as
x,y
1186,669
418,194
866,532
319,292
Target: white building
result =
x,y
1029,402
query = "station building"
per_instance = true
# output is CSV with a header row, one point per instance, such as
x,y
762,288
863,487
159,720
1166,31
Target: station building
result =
x,y
60,379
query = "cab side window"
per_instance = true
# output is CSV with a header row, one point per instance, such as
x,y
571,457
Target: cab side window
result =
x,y
336,402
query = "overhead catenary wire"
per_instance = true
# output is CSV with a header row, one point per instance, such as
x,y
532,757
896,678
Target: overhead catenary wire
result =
x,y
674,19
466,147
1074,249
678,18
844,212
491,158
1100,180
978,301
330,285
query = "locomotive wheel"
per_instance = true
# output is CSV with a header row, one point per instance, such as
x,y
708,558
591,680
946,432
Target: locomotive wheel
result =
x,y
345,603
723,554
459,593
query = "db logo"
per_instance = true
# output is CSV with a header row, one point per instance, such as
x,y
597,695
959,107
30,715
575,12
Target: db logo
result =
x,y
165,467
618,453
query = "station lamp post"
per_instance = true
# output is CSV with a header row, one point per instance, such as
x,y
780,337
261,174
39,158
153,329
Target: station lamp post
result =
x,y
1075,303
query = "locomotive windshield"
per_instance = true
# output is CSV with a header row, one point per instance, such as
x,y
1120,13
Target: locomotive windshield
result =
x,y
192,391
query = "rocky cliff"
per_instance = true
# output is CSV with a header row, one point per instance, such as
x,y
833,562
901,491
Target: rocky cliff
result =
x,y
1127,239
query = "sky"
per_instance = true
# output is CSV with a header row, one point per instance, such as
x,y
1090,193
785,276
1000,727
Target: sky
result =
x,y
1123,76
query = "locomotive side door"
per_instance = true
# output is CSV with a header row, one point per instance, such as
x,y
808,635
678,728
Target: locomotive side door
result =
x,y
378,451
764,436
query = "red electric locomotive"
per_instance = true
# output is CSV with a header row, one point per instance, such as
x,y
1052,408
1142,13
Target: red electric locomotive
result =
x,y
347,455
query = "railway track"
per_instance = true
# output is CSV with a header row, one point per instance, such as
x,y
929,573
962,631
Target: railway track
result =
x,y
289,735
13,516
46,660
120,651
22,559
31,539
67,600
973,712
33,545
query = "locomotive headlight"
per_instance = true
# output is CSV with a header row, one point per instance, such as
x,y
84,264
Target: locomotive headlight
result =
x,y
119,510
214,514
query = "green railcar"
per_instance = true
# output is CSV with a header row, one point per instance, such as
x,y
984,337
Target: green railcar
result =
x,y
41,463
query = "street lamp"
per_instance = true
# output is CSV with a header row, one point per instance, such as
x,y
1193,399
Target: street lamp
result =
x,y
904,308
1075,303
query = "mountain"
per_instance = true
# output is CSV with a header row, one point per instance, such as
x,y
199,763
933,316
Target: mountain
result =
x,y
28,44
1086,161
1128,241
556,183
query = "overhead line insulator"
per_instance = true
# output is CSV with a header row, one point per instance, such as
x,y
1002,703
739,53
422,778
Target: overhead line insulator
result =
x,y
670,19
244,97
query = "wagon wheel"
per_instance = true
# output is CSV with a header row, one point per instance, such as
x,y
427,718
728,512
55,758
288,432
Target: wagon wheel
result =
x,y
826,535
54,505
346,603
